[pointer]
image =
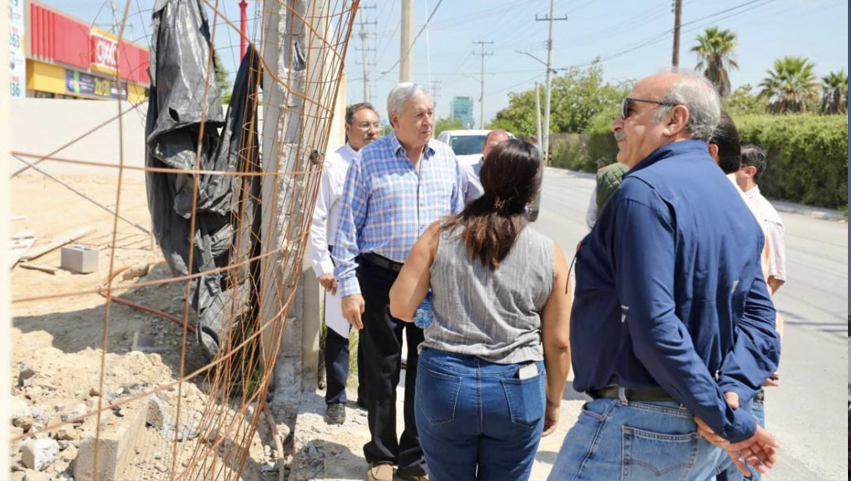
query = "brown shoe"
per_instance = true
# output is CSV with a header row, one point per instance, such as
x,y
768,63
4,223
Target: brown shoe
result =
x,y
379,472
405,476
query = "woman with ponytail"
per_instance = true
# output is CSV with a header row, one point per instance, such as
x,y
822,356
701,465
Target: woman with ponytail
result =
x,y
496,355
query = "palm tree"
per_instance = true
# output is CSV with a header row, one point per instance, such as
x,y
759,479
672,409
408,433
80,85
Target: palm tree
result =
x,y
790,86
835,97
714,51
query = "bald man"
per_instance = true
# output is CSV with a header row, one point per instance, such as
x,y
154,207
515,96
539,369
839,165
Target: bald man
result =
x,y
473,184
672,327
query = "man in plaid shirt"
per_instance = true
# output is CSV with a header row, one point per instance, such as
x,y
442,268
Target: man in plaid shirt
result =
x,y
395,188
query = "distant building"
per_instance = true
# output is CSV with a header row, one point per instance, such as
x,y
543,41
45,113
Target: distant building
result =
x,y
54,55
461,108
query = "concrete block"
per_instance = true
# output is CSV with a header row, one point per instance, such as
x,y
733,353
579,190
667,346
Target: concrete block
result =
x,y
38,454
118,439
79,259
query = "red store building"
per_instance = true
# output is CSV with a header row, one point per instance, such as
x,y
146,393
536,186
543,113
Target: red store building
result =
x,y
68,58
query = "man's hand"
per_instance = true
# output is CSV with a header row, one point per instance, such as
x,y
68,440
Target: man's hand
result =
x,y
704,430
329,282
551,418
353,307
760,450
772,381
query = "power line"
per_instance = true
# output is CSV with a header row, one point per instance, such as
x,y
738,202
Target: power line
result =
x,y
661,36
482,54
383,74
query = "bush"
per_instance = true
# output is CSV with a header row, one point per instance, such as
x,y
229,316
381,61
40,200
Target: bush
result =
x,y
570,151
807,156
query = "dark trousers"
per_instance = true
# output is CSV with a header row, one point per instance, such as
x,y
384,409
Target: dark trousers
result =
x,y
382,340
337,368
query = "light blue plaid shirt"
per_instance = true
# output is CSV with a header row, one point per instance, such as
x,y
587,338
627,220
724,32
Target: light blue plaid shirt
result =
x,y
387,205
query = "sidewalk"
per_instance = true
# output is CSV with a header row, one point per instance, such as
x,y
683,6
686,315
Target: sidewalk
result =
x,y
328,452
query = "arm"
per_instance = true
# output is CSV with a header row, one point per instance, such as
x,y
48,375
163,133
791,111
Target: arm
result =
x,y
644,244
756,351
352,219
777,262
320,258
413,282
459,193
556,339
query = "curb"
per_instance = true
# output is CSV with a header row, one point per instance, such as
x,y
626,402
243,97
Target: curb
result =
x,y
809,211
781,206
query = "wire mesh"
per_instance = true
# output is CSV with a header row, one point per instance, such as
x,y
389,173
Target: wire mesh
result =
x,y
199,416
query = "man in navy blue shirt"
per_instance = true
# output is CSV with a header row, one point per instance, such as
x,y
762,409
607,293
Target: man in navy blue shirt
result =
x,y
672,322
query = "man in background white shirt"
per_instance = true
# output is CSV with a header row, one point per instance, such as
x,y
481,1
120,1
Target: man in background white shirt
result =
x,y
362,127
754,163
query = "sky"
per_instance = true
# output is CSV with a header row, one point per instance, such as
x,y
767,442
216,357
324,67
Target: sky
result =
x,y
632,37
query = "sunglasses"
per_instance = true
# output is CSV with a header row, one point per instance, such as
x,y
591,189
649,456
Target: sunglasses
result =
x,y
626,106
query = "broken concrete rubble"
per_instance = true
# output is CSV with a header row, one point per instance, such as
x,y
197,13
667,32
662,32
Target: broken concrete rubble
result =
x,y
38,454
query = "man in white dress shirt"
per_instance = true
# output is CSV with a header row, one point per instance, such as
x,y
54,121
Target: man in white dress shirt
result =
x,y
473,184
754,163
362,127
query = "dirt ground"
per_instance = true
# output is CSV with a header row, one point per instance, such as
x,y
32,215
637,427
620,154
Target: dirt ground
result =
x,y
58,344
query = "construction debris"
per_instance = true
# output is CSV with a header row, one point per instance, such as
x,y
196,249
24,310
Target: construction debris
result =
x,y
80,259
38,267
19,245
66,238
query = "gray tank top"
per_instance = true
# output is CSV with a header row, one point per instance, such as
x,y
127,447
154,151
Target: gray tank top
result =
x,y
495,315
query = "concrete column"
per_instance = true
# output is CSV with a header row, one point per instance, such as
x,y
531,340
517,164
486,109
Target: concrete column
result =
x,y
5,305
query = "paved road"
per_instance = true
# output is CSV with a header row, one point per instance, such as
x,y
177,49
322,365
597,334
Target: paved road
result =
x,y
806,412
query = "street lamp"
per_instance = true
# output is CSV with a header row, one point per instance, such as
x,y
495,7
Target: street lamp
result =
x,y
554,71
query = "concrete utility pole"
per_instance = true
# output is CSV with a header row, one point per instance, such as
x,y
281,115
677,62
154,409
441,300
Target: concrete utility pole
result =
x,y
538,112
678,18
482,54
406,51
545,141
434,87
364,35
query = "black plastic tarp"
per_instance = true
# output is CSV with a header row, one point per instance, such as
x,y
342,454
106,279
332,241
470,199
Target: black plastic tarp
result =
x,y
185,124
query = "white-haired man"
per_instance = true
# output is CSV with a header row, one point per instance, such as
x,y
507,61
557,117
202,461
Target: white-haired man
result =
x,y
395,189
672,324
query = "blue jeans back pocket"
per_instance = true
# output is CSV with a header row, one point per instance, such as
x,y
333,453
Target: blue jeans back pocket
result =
x,y
437,394
525,400
657,456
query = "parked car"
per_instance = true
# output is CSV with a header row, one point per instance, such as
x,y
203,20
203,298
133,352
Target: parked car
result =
x,y
467,145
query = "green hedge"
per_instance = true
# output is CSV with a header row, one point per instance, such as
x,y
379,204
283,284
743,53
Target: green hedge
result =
x,y
807,155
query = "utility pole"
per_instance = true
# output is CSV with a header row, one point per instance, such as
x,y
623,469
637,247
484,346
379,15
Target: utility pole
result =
x,y
434,88
406,51
678,18
482,54
364,35
545,141
538,113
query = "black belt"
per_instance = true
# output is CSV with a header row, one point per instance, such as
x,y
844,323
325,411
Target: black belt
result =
x,y
382,262
613,392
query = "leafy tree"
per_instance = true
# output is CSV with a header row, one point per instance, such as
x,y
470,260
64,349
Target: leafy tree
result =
x,y
577,96
714,51
744,101
447,124
221,78
835,97
791,86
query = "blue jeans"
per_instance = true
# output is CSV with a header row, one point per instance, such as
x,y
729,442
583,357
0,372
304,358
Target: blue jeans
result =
x,y
476,419
727,471
635,441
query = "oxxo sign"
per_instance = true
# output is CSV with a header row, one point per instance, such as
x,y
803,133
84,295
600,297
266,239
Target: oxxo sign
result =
x,y
104,51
